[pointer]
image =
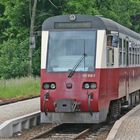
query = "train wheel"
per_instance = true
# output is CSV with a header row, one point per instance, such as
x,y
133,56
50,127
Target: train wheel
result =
x,y
114,110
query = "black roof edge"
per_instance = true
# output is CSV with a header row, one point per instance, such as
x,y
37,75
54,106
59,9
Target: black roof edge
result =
x,y
98,22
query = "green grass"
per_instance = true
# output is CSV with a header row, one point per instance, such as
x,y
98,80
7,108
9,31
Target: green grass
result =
x,y
18,88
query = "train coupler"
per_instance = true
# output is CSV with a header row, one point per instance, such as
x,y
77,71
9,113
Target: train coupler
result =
x,y
67,105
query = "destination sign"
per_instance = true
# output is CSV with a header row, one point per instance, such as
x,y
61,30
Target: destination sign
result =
x,y
72,25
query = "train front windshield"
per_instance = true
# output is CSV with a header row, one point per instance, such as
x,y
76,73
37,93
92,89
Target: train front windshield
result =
x,y
66,48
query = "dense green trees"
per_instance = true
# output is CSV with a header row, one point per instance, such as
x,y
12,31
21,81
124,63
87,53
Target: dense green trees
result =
x,y
15,19
119,10
15,16
14,25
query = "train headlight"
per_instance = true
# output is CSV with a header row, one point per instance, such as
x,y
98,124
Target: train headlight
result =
x,y
93,85
86,86
53,86
89,85
46,86
49,86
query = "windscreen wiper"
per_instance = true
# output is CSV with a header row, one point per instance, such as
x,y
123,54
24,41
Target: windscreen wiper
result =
x,y
77,64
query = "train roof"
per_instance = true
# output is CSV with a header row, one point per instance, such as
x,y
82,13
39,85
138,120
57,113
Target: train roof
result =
x,y
97,22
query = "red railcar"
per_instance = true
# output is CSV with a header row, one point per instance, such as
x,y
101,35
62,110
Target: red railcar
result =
x,y
90,68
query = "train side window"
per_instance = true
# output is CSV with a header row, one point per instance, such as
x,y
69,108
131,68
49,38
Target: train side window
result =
x,y
110,56
110,51
138,54
115,40
130,52
133,58
131,55
124,52
127,53
109,40
134,54
120,51
138,59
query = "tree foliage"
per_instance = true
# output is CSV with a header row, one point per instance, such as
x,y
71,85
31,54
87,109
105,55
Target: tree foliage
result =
x,y
119,11
15,19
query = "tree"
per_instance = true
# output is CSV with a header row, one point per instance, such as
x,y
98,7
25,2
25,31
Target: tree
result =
x,y
15,20
119,11
13,60
14,34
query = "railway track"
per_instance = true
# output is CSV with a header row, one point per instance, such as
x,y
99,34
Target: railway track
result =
x,y
75,132
69,131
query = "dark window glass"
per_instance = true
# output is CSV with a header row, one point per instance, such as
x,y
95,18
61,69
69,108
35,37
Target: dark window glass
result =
x,y
65,49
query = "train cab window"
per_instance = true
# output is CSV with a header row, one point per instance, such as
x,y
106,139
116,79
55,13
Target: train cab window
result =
x,y
68,48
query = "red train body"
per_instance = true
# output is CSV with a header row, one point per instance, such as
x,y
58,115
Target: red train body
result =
x,y
90,68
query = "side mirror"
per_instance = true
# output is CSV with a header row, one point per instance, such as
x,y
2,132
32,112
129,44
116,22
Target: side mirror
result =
x,y
115,41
